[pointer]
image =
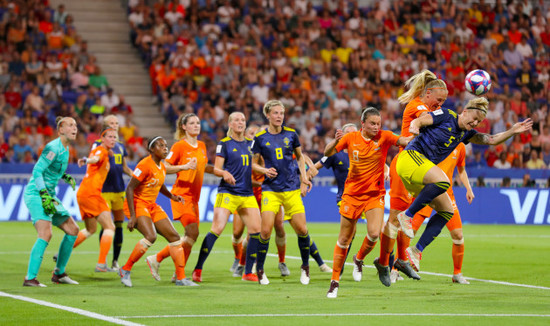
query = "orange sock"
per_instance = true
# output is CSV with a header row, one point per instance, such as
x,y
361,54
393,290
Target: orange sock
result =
x,y
338,261
176,252
458,256
386,247
187,248
140,249
165,252
238,249
366,247
105,245
403,243
242,260
82,235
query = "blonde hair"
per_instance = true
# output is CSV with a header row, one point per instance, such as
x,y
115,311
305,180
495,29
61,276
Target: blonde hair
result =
x,y
59,121
182,120
348,125
478,103
419,84
107,118
229,130
270,104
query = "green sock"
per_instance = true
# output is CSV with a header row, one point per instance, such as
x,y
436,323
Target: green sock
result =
x,y
65,250
37,253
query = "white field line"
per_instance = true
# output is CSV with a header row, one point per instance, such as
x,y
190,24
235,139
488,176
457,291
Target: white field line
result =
x,y
339,315
86,313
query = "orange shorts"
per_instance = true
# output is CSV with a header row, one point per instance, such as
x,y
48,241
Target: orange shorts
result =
x,y
91,205
353,207
188,212
258,194
143,208
400,199
454,223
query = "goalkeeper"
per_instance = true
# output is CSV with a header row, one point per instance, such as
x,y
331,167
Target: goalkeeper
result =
x,y
46,209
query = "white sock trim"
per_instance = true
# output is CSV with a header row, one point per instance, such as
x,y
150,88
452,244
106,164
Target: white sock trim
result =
x,y
341,246
393,231
86,233
189,241
235,240
109,232
175,243
144,242
280,241
458,242
245,242
371,239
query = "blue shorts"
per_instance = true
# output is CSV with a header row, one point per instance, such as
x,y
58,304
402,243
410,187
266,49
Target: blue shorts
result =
x,y
34,205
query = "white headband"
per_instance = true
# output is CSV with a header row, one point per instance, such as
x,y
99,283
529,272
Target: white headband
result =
x,y
153,141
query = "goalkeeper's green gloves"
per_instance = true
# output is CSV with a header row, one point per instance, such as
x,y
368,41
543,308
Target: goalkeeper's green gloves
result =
x,y
70,180
48,202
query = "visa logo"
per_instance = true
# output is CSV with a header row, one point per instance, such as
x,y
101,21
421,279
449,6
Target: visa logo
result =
x,y
537,199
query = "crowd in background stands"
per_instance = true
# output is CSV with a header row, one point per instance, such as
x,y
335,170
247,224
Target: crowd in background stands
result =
x,y
47,71
324,62
327,62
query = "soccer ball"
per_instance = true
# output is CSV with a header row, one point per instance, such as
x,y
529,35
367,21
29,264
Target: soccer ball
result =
x,y
478,82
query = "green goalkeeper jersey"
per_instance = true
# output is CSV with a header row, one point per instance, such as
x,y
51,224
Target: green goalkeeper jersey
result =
x,y
50,168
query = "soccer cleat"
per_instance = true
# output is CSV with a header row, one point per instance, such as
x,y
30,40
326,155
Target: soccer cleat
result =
x,y
405,268
415,256
115,266
55,258
357,269
460,279
394,276
284,269
33,282
173,280
333,290
383,272
185,282
197,277
102,268
235,265
154,266
406,224
325,268
262,278
304,275
238,271
125,277
250,277
62,279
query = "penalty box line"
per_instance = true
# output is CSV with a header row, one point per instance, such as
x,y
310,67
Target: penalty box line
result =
x,y
78,311
340,315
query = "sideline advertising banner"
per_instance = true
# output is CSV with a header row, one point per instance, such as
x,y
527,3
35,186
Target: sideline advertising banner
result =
x,y
490,206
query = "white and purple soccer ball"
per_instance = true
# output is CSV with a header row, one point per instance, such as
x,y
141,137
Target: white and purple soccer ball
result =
x,y
478,82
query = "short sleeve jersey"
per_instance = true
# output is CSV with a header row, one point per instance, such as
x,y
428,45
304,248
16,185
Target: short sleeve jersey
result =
x,y
49,168
151,178
412,111
114,181
237,161
189,182
438,140
339,163
96,173
277,151
455,159
367,158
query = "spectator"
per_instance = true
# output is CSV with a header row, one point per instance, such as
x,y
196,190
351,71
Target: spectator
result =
x,y
478,161
502,163
21,147
535,162
506,182
527,181
109,100
53,91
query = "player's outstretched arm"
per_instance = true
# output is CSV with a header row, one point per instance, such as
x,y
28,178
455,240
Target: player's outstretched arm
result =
x,y
423,121
486,139
330,149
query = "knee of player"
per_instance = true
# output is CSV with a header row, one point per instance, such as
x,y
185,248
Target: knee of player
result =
x,y
153,237
46,235
373,235
457,235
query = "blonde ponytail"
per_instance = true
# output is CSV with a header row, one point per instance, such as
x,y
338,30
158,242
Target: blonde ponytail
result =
x,y
419,84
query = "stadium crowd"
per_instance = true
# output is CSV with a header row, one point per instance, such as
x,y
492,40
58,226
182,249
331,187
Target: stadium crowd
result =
x,y
323,62
46,71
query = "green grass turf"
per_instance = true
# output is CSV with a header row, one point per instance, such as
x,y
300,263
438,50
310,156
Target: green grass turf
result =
x,y
515,254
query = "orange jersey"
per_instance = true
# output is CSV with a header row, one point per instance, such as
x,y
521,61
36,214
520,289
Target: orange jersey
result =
x,y
188,182
96,173
412,111
367,159
455,159
151,177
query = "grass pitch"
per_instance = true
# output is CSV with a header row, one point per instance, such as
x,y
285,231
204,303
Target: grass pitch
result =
x,y
509,266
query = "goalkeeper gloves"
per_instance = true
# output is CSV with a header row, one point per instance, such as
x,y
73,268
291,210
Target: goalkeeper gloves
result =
x,y
47,202
69,179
